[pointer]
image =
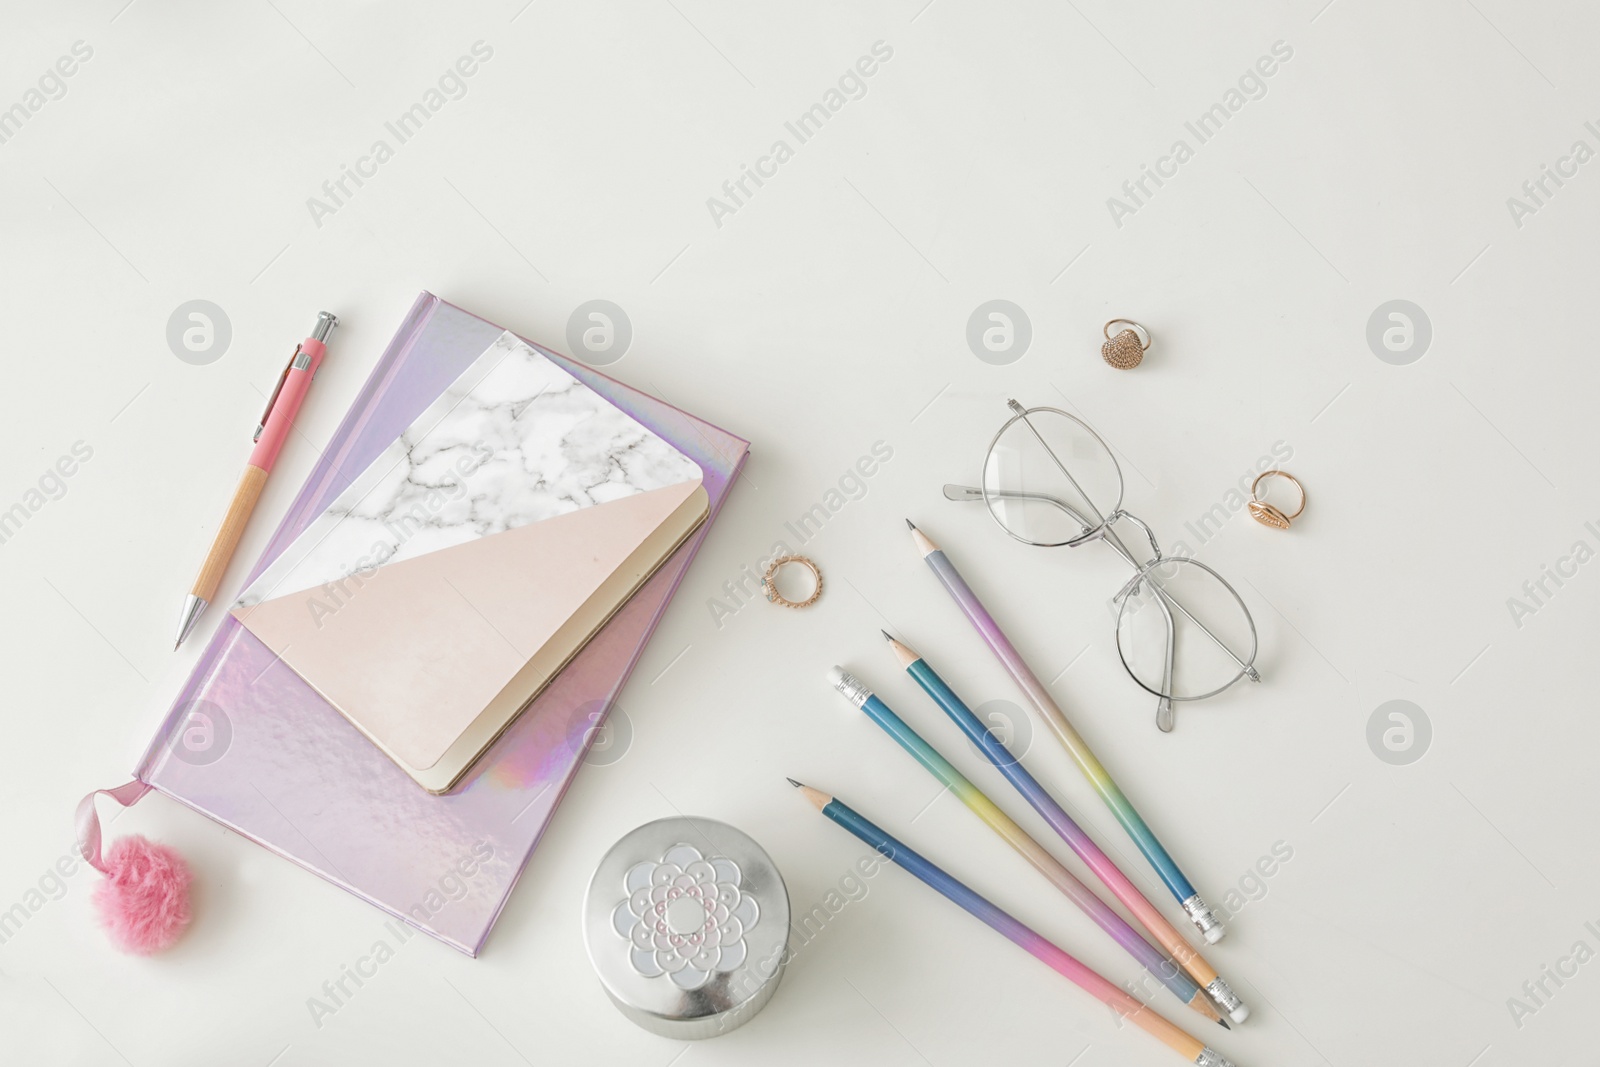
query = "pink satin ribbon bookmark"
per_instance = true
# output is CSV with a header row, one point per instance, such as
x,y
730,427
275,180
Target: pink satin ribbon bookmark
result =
x,y
88,820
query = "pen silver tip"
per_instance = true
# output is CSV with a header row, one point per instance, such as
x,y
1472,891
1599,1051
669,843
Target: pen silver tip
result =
x,y
192,607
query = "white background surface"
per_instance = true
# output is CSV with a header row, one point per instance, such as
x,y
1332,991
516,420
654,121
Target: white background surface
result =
x,y
827,314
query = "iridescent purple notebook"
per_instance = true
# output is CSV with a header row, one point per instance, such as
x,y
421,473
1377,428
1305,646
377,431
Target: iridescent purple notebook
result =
x,y
251,745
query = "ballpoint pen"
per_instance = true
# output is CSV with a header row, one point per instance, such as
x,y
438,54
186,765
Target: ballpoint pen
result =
x,y
270,434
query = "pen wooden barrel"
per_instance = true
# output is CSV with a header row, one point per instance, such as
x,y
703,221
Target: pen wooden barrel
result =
x,y
233,523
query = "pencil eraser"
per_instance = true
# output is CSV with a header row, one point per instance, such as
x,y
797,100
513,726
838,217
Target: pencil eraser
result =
x,y
1239,1014
849,686
1213,934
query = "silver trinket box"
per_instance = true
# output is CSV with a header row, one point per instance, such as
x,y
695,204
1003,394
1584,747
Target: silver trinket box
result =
x,y
687,925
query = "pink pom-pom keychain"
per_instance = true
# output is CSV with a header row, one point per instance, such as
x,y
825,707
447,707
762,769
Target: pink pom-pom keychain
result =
x,y
144,901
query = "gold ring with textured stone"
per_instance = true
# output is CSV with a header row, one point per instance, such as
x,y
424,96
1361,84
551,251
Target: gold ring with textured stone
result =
x,y
1267,514
1127,348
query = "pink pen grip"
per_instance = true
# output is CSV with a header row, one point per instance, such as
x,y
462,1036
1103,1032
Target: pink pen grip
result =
x,y
287,406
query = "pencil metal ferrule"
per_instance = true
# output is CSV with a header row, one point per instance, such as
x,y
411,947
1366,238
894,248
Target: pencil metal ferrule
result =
x,y
1204,919
1210,1057
853,688
1228,1000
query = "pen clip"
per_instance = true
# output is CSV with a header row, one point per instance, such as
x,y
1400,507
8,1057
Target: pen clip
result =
x,y
261,425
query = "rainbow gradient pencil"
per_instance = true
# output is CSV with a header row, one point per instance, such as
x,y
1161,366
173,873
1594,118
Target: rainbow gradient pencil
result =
x,y
1070,832
1158,963
1194,906
1125,1006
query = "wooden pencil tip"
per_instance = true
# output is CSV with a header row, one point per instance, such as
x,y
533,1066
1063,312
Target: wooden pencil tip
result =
x,y
1202,1005
792,782
817,798
902,652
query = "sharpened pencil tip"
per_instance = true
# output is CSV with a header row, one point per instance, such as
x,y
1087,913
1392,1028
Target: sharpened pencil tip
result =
x,y
1224,1024
910,525
886,635
792,782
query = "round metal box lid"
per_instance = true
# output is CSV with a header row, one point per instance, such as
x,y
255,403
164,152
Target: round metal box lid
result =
x,y
687,924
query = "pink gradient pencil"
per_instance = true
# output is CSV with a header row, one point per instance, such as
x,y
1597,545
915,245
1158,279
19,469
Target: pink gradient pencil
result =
x,y
271,433
1069,831
1194,906
1161,966
1054,957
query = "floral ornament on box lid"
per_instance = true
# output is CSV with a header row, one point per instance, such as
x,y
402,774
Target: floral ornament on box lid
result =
x,y
685,917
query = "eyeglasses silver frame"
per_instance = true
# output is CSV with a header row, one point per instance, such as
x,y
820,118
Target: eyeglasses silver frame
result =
x,y
1101,529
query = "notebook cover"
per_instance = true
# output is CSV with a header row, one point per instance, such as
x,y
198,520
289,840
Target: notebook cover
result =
x,y
452,568
251,745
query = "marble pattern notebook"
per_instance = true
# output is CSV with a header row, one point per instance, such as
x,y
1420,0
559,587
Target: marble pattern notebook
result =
x,y
249,744
440,592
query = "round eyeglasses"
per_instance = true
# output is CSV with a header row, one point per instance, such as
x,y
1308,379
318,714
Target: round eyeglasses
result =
x,y
1182,632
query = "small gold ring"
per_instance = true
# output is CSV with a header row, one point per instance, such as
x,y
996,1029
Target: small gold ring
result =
x,y
769,582
1139,331
1265,513
1126,350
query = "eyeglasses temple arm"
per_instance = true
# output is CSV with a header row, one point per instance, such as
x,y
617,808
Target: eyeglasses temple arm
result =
x,y
967,492
1163,595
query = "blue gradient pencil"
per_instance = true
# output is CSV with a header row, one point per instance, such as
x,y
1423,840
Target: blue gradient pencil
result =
x,y
1070,832
1132,822
1158,963
1056,958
